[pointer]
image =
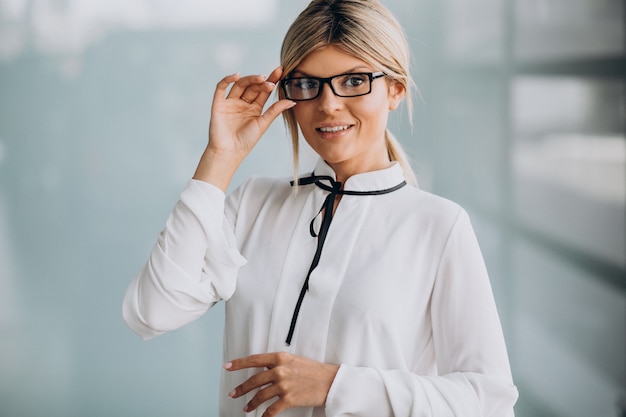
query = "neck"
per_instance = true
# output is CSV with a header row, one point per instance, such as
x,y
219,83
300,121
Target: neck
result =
x,y
345,170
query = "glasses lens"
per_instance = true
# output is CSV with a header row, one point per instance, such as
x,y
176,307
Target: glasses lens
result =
x,y
350,85
301,88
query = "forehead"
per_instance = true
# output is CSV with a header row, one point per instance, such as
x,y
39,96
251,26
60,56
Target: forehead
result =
x,y
330,60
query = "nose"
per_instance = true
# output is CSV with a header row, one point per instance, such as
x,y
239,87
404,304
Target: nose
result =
x,y
327,101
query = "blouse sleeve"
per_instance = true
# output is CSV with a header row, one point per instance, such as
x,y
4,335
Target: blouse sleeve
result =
x,y
193,264
474,377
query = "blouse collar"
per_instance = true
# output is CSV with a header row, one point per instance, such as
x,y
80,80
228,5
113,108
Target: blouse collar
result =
x,y
366,181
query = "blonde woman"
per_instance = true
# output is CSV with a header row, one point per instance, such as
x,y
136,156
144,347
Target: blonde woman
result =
x,y
357,295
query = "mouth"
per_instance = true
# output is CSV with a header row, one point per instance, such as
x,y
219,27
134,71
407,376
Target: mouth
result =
x,y
333,129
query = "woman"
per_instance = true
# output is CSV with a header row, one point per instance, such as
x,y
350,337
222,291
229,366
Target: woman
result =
x,y
357,294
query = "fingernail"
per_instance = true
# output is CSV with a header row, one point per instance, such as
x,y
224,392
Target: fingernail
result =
x,y
245,409
232,394
270,84
228,365
292,104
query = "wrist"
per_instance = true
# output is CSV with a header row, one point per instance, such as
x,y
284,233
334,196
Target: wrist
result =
x,y
217,167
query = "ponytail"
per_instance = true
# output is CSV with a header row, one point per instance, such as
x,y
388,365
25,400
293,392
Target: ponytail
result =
x,y
396,153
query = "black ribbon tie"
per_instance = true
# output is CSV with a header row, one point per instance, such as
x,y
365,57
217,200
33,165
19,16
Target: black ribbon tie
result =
x,y
327,216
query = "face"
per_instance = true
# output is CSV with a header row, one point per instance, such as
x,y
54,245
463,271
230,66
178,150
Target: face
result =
x,y
347,132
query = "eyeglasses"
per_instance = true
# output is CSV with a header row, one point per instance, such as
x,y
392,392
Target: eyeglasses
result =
x,y
343,85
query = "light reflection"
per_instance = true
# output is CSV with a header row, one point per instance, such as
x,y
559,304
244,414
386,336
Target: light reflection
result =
x,y
474,30
592,166
72,25
543,104
566,29
569,133
13,9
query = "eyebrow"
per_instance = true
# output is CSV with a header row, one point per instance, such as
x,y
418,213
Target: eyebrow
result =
x,y
359,68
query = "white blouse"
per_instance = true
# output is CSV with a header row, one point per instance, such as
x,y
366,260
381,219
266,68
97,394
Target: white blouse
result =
x,y
400,299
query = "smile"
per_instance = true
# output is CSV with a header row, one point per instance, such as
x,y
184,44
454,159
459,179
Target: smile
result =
x,y
333,129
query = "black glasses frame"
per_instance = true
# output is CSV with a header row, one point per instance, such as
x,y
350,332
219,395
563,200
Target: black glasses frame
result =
x,y
371,75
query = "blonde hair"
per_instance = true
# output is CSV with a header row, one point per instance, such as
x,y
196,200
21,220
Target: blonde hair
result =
x,y
364,29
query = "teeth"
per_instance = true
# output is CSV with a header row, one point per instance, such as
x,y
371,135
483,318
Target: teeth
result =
x,y
334,128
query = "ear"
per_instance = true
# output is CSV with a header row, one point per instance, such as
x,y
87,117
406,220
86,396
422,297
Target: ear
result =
x,y
396,94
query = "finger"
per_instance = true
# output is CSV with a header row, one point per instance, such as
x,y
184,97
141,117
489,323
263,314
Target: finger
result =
x,y
275,408
275,75
263,395
274,111
262,92
261,360
273,78
255,381
247,84
222,85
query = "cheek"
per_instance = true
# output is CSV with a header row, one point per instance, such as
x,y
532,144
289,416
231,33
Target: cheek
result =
x,y
373,112
302,114
374,104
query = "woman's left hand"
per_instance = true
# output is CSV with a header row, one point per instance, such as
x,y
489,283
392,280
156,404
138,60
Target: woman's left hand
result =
x,y
295,380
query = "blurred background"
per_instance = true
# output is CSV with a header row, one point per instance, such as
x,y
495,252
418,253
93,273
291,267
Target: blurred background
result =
x,y
104,110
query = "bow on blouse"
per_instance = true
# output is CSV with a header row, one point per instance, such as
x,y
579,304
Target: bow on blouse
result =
x,y
327,216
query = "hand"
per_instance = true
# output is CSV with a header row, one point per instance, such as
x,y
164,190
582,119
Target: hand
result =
x,y
237,124
295,380
237,118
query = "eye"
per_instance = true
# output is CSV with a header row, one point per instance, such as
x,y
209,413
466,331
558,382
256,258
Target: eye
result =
x,y
354,80
304,83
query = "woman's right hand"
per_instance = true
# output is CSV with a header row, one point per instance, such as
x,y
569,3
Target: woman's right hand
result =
x,y
237,123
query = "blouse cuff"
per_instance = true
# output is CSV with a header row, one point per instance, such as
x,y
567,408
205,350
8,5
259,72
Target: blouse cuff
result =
x,y
357,391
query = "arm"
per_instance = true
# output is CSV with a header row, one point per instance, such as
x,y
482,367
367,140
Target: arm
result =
x,y
195,262
237,124
474,376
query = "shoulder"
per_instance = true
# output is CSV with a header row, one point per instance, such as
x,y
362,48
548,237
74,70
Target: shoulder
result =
x,y
257,191
257,186
416,203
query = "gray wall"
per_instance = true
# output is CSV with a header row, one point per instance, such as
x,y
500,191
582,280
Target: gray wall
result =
x,y
103,114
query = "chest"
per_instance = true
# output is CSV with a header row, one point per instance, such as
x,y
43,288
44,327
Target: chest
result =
x,y
374,277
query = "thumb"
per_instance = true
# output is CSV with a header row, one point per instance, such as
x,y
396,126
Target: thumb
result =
x,y
274,111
